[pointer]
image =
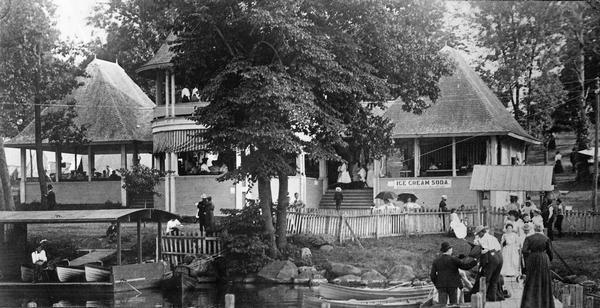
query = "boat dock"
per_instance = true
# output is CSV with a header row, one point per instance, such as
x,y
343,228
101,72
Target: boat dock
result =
x,y
93,255
516,291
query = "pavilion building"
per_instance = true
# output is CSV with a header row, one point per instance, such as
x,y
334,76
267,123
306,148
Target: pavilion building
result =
x,y
117,114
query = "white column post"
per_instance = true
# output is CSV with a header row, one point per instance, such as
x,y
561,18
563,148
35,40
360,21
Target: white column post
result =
x,y
23,172
167,182
172,94
300,162
376,174
416,157
173,189
166,93
91,162
453,156
323,174
58,160
239,200
492,151
124,166
174,164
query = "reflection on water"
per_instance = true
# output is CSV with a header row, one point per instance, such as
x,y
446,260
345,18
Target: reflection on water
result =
x,y
209,296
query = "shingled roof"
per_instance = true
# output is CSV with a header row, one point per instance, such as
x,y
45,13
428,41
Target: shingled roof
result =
x,y
161,59
465,107
114,107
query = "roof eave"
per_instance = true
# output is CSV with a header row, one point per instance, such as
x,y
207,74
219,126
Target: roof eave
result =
x,y
525,138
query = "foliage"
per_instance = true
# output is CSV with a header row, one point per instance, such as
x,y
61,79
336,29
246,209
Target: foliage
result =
x,y
134,30
141,179
22,32
522,38
58,126
288,76
245,247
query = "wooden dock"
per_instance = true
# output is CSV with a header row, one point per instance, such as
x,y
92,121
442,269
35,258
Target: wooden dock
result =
x,y
516,291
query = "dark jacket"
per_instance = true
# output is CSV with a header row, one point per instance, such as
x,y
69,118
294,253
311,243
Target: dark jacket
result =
x,y
443,207
444,271
51,200
338,196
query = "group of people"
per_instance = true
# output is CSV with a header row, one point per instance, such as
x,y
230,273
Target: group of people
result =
x,y
550,215
357,174
498,259
191,166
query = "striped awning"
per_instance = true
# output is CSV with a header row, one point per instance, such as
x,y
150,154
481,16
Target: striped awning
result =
x,y
178,141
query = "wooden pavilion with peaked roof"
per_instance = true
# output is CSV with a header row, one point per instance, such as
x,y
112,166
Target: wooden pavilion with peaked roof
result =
x,y
435,151
117,114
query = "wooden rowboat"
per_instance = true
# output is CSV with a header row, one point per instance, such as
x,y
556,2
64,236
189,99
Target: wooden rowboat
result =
x,y
67,274
387,303
95,273
331,291
26,273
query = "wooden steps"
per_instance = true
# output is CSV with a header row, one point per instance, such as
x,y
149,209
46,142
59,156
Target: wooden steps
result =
x,y
353,199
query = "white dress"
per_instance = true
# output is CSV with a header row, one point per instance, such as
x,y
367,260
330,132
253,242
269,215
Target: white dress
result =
x,y
343,176
370,175
511,259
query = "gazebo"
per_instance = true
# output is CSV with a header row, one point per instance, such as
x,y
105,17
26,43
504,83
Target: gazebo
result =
x,y
117,114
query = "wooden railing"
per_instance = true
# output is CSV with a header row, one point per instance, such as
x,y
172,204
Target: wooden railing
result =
x,y
348,225
176,247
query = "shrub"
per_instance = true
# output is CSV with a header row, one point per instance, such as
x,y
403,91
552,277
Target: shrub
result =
x,y
141,179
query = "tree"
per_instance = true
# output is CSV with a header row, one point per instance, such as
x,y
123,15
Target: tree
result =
x,y
35,68
289,76
520,37
134,30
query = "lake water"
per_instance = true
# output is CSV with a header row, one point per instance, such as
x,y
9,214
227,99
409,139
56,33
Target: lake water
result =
x,y
209,296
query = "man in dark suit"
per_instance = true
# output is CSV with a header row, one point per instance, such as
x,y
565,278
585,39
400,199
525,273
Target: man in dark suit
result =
x,y
51,198
445,275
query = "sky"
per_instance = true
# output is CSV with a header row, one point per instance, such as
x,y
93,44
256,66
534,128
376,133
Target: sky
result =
x,y
71,19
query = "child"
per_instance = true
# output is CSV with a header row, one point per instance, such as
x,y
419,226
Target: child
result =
x,y
338,197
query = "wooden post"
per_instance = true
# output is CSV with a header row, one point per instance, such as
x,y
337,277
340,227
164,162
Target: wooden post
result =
x,y
477,300
124,166
90,169
159,245
139,239
339,230
483,289
454,156
23,172
173,94
118,243
58,160
167,93
229,301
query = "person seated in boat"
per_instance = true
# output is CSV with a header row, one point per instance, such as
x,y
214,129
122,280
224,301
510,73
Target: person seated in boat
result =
x,y
173,226
39,259
111,232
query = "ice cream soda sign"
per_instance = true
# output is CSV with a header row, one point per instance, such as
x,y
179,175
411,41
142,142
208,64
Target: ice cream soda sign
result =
x,y
421,183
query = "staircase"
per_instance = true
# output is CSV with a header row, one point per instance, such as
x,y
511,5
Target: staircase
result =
x,y
353,199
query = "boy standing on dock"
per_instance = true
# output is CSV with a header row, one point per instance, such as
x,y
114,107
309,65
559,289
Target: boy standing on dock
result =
x,y
39,259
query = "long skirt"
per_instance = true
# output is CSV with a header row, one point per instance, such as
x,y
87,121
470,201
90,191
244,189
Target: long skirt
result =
x,y
512,260
537,291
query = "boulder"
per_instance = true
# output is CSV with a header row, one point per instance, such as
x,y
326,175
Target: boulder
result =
x,y
372,277
340,269
317,280
347,279
305,253
279,272
401,273
326,248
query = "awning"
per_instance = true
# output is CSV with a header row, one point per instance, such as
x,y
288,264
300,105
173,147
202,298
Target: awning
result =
x,y
84,216
178,141
512,178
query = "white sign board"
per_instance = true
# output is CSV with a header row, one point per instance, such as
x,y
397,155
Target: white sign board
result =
x,y
420,183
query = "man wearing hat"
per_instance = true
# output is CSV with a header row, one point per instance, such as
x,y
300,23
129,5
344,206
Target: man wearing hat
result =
x,y
490,264
445,274
443,208
201,216
514,203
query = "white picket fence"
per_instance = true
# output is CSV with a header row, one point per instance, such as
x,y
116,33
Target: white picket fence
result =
x,y
349,224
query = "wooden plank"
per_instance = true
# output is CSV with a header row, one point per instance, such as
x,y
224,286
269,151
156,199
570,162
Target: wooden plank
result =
x,y
139,240
119,246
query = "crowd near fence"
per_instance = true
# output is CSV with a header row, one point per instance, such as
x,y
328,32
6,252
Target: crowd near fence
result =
x,y
348,224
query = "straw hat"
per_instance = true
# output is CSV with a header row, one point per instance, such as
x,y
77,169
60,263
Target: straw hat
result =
x,y
479,229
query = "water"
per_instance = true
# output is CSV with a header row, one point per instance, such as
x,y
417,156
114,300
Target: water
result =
x,y
209,296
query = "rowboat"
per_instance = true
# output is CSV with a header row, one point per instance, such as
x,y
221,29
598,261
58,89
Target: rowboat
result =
x,y
26,273
352,303
189,277
69,274
331,291
94,273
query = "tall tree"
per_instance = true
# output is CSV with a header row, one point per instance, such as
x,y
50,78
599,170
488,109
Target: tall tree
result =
x,y
35,68
519,36
286,76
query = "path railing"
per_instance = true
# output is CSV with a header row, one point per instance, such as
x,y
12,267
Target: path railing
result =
x,y
348,225
176,247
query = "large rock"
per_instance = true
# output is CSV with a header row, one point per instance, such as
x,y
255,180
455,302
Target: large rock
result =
x,y
305,274
317,280
401,273
279,272
347,279
340,269
372,277
312,240
326,248
305,253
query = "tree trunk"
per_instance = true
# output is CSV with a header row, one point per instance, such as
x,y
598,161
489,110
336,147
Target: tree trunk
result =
x,y
545,153
264,193
282,206
8,204
39,154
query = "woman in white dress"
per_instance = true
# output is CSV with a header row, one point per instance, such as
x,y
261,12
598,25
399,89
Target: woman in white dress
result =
x,y
343,175
511,256
370,175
